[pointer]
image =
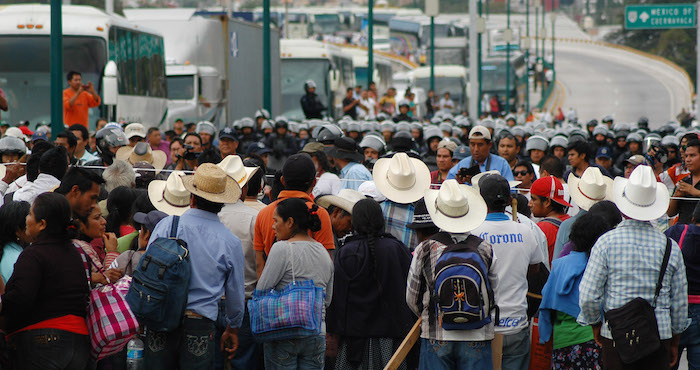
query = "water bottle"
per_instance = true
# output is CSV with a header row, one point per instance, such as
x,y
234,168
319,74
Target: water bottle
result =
x,y
134,354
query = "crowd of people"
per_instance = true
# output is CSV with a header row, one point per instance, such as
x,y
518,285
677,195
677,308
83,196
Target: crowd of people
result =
x,y
510,241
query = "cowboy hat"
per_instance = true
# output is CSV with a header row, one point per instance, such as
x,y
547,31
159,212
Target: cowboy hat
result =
x,y
455,208
347,149
591,188
142,152
345,200
213,184
170,196
233,166
641,197
401,178
477,177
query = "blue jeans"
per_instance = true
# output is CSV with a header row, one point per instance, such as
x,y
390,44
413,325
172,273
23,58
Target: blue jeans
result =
x,y
436,355
190,347
303,353
249,353
50,349
690,339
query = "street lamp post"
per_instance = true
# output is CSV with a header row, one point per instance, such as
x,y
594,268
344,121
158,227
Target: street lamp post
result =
x,y
508,37
544,38
267,69
478,67
553,17
56,68
537,40
370,42
432,54
527,56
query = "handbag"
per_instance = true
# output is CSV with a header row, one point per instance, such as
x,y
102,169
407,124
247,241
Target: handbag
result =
x,y
293,312
633,327
110,322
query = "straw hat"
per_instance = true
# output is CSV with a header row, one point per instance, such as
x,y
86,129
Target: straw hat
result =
x,y
455,208
142,152
641,197
591,188
213,184
233,166
401,178
478,176
345,199
170,196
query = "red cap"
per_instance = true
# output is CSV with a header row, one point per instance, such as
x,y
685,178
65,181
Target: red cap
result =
x,y
549,187
26,130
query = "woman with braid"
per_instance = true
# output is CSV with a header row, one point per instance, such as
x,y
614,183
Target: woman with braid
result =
x,y
368,313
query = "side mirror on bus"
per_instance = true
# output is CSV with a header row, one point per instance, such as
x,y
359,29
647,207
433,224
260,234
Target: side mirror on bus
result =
x,y
333,76
110,86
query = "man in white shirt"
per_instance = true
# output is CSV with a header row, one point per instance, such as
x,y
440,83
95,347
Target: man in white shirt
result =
x,y
446,104
52,166
367,109
515,246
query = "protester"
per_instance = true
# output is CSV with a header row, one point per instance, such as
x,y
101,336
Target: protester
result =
x,y
296,256
99,246
13,236
47,293
77,99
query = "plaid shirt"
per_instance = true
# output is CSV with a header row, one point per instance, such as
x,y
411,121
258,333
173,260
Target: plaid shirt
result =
x,y
418,297
624,264
397,216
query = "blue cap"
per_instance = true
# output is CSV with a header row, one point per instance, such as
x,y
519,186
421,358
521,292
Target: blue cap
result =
x,y
603,152
461,152
38,135
150,219
228,133
258,148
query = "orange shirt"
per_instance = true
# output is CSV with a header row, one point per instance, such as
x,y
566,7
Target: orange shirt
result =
x,y
78,113
265,236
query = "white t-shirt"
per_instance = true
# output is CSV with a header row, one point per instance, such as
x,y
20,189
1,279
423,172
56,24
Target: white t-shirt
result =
x,y
327,184
516,248
447,104
368,103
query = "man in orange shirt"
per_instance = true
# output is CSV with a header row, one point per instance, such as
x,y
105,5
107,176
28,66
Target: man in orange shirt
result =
x,y
299,178
77,99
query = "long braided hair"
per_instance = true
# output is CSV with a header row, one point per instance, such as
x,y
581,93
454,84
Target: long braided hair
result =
x,y
368,221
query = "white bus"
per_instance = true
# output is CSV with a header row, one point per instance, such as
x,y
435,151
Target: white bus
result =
x,y
382,74
448,78
327,65
94,43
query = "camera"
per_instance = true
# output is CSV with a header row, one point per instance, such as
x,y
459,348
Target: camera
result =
x,y
190,154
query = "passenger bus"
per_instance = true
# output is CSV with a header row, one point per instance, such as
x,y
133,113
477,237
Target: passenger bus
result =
x,y
448,78
382,72
410,36
327,65
493,77
92,40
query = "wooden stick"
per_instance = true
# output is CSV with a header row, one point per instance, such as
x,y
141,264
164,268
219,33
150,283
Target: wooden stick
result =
x,y
405,347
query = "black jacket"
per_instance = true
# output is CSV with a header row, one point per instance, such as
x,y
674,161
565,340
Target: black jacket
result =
x,y
311,106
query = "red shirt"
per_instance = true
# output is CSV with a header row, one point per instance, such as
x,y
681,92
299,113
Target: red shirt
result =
x,y
550,231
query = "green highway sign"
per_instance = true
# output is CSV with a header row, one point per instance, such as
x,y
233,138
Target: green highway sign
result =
x,y
640,17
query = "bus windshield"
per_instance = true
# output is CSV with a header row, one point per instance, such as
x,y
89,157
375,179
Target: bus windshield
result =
x,y
181,87
295,72
493,77
26,77
453,85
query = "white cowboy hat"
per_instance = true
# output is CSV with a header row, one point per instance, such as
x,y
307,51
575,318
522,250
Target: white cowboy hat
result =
x,y
591,188
213,184
478,176
641,197
142,152
401,178
170,196
455,208
233,166
345,199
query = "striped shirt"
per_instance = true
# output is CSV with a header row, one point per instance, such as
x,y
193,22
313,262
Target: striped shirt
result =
x,y
624,264
418,297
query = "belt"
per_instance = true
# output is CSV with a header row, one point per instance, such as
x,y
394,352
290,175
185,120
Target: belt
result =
x,y
193,315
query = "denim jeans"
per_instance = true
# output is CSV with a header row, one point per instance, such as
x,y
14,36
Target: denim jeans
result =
x,y
249,353
48,349
303,353
516,351
190,347
436,355
690,339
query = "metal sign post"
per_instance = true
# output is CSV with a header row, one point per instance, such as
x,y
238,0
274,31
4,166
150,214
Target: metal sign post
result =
x,y
432,9
474,45
56,68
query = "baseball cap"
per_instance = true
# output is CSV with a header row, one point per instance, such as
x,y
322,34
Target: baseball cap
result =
x,y
313,147
549,187
150,219
135,129
228,133
39,136
298,169
480,132
635,160
26,130
603,152
461,152
448,144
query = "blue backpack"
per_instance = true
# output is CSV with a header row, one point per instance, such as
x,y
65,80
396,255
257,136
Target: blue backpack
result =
x,y
460,295
160,284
